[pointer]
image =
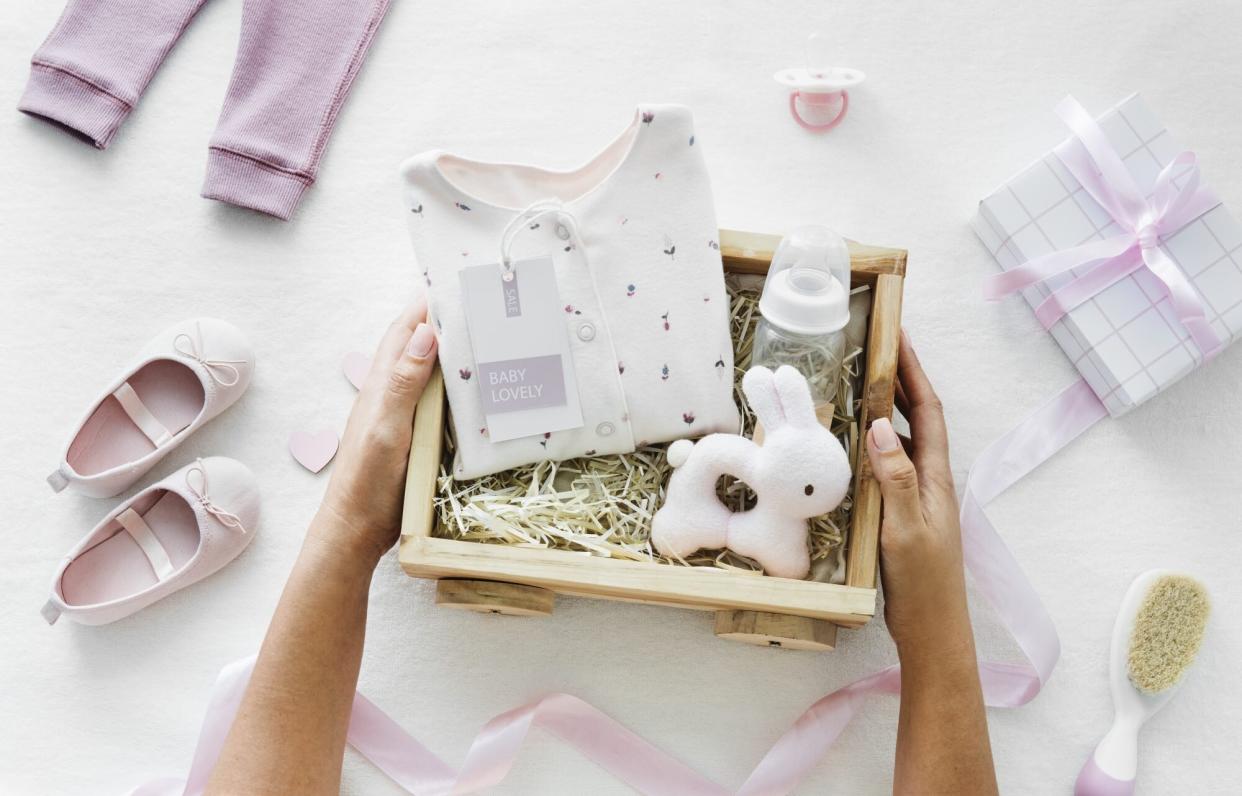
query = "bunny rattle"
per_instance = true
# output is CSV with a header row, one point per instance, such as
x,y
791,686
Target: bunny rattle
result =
x,y
800,471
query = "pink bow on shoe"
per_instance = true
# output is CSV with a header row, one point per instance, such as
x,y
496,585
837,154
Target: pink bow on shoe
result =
x,y
193,347
226,518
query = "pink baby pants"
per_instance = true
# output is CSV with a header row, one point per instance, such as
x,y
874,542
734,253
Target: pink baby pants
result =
x,y
294,66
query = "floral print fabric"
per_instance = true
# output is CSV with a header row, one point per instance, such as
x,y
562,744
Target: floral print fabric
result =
x,y
639,275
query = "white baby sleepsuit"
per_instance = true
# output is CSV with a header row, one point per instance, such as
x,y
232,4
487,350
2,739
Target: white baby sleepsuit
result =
x,y
633,239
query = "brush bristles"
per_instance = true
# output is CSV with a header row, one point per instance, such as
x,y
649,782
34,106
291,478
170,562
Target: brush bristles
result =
x,y
1167,632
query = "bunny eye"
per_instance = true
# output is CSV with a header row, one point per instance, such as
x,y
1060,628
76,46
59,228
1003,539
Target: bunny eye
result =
x,y
809,489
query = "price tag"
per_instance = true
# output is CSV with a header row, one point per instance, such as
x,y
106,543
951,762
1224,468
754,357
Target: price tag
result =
x,y
523,364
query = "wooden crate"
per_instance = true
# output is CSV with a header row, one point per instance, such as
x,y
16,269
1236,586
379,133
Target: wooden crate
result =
x,y
760,610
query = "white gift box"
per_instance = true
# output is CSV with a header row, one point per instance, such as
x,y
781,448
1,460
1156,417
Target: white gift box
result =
x,y
1126,341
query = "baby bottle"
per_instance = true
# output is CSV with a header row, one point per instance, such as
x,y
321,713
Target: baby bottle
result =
x,y
804,307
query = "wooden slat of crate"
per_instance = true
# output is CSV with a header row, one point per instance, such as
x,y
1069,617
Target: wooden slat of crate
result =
x,y
862,553
704,588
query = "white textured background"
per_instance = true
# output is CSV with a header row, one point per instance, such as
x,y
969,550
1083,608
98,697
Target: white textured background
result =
x,y
99,250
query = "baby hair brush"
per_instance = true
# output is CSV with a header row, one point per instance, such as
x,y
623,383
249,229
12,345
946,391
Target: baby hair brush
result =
x,y
1156,638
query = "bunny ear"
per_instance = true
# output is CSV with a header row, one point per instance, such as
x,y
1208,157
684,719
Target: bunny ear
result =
x,y
760,389
795,396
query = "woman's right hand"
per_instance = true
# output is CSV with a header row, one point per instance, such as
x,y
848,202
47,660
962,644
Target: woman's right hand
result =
x,y
920,538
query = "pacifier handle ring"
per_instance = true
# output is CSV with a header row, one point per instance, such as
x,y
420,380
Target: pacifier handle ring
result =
x,y
821,127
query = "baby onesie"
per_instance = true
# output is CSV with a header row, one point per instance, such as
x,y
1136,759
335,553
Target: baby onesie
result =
x,y
633,240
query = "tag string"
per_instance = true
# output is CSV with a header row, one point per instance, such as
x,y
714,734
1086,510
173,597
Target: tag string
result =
x,y
524,218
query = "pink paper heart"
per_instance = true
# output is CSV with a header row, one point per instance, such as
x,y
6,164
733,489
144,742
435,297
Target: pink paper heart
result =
x,y
356,366
313,451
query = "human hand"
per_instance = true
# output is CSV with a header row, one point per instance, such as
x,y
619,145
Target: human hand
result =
x,y
920,538
361,511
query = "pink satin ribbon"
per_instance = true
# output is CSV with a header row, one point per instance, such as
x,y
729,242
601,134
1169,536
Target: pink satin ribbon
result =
x,y
650,770
1100,170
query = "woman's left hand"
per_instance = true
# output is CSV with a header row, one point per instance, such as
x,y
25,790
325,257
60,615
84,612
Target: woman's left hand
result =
x,y
361,511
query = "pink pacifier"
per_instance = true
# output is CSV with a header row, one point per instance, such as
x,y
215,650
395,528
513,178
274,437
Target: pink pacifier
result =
x,y
819,92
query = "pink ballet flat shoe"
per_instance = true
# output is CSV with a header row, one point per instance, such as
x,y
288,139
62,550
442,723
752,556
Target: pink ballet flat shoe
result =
x,y
185,376
166,537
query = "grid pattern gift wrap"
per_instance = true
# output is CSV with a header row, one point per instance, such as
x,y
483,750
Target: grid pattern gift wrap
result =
x,y
1127,340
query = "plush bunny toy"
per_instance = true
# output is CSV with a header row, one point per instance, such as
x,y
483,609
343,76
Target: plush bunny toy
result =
x,y
801,471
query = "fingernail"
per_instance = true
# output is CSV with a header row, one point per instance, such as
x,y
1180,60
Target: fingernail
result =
x,y
883,435
906,335
420,342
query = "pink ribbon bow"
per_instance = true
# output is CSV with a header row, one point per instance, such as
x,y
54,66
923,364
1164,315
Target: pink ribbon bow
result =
x,y
222,371
1144,222
227,518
